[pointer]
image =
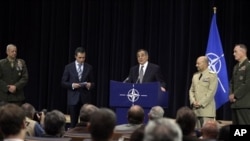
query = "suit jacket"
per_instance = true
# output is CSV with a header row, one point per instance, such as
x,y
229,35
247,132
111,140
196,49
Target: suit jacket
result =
x,y
203,90
70,75
152,74
127,127
18,76
240,85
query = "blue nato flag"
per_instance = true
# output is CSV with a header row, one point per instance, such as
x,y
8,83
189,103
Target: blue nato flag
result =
x,y
217,63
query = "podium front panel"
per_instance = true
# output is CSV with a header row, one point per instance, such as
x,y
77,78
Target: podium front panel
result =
x,y
146,95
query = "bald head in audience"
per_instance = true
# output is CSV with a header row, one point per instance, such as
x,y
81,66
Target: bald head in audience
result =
x,y
135,118
210,130
135,114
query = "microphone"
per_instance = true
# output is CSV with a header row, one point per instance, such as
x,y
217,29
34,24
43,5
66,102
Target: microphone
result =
x,y
125,80
138,80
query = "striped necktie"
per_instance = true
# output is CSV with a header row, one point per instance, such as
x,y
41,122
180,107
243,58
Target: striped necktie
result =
x,y
79,71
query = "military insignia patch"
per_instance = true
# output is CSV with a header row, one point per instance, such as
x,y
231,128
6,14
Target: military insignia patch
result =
x,y
206,79
241,77
242,68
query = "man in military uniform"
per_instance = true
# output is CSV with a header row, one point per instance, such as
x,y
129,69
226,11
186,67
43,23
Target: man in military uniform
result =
x,y
13,77
202,92
240,87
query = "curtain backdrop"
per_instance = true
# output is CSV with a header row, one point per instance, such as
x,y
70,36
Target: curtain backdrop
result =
x,y
175,32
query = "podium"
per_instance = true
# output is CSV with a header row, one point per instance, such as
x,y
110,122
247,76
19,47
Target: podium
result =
x,y
124,95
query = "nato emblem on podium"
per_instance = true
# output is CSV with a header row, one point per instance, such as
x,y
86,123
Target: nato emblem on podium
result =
x,y
124,95
133,95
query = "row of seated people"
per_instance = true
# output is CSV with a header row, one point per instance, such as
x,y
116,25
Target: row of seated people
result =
x,y
99,124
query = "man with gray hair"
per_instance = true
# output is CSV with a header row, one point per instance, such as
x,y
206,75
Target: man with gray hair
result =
x,y
162,129
54,124
13,77
240,87
155,112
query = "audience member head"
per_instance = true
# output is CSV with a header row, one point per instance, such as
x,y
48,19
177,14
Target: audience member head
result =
x,y
138,134
162,129
135,115
224,133
12,121
155,113
54,123
86,111
186,119
2,103
29,110
210,130
101,125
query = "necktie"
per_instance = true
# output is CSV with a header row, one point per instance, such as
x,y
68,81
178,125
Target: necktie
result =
x,y
200,76
79,70
141,74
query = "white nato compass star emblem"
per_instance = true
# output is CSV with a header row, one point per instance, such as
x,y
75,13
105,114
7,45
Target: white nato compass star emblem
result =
x,y
133,95
215,65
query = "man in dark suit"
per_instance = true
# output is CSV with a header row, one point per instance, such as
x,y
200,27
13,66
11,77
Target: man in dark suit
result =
x,y
13,77
79,80
240,87
149,72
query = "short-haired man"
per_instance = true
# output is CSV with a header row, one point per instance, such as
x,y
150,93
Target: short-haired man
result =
x,y
13,77
54,124
102,125
33,128
12,122
85,114
135,119
240,87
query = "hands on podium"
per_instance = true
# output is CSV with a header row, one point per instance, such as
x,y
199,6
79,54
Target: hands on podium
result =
x,y
163,89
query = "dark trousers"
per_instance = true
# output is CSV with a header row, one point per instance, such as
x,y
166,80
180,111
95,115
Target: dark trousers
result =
x,y
241,116
74,111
